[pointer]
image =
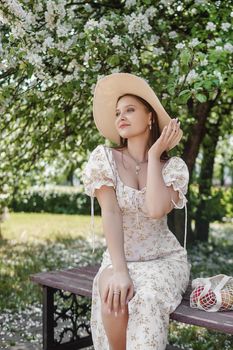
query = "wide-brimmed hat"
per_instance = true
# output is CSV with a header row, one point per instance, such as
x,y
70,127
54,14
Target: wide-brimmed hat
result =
x,y
107,91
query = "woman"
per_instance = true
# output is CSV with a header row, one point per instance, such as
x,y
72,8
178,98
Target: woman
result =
x,y
144,270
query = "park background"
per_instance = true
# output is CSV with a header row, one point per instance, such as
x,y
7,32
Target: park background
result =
x,y
51,55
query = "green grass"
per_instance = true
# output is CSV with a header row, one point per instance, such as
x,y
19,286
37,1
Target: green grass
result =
x,y
37,227
37,242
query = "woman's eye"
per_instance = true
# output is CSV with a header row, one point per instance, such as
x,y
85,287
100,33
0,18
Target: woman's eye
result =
x,y
128,110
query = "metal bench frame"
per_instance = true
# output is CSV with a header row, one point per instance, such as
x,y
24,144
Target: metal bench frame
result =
x,y
74,288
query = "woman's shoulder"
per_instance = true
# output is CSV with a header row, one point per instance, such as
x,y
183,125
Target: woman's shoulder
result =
x,y
97,152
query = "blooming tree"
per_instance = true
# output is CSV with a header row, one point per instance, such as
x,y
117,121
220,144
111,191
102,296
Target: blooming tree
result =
x,y
52,53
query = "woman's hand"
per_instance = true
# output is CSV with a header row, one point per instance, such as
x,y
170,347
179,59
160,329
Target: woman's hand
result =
x,y
168,135
120,281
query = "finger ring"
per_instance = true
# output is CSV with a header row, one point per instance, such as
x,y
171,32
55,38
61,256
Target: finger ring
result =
x,y
116,292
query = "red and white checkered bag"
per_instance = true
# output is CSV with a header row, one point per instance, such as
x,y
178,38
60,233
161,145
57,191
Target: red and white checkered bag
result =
x,y
212,293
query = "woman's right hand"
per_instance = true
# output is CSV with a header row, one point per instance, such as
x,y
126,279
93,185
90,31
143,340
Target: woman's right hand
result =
x,y
120,281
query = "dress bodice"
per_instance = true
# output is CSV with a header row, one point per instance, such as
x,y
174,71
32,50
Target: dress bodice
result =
x,y
144,237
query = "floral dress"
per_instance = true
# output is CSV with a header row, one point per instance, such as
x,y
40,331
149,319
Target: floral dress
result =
x,y
158,265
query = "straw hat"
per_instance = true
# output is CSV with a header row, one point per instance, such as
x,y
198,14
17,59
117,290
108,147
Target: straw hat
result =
x,y
107,91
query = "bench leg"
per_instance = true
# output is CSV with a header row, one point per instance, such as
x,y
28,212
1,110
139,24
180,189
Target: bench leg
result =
x,y
51,316
48,318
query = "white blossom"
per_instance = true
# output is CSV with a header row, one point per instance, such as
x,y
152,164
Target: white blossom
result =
x,y
63,30
86,57
138,23
181,79
72,65
116,41
219,48
211,43
152,40
218,75
34,59
68,78
3,18
193,11
58,79
88,8
194,42
15,8
115,70
48,42
204,62
104,23
225,26
158,51
210,26
165,96
179,8
38,7
151,12
200,2
130,3
1,48
228,47
54,11
173,34
166,2
17,30
64,46
134,59
175,63
192,75
180,46
91,24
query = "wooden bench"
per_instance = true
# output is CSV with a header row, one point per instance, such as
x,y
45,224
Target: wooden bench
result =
x,y
67,304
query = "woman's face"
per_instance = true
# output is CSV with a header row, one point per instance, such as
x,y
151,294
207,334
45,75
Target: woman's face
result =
x,y
131,112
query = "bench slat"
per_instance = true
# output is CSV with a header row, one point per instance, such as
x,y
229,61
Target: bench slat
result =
x,y
79,281
219,321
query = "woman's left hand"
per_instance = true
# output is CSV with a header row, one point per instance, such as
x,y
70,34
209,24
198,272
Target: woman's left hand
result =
x,y
168,135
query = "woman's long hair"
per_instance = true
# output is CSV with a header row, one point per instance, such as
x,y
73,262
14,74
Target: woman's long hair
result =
x,y
154,132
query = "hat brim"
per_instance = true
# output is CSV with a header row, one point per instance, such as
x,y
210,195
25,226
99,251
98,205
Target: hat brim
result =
x,y
107,91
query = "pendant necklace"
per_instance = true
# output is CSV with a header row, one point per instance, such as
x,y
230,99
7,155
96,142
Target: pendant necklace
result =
x,y
137,167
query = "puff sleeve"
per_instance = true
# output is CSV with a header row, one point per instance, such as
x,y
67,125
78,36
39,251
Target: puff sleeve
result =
x,y
97,172
175,172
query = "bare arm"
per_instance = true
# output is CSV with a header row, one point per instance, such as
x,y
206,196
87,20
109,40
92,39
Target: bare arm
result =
x,y
112,226
113,230
158,196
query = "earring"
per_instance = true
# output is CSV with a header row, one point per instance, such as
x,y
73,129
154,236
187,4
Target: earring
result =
x,y
150,126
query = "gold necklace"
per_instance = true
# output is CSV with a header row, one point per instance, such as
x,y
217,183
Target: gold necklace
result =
x,y
137,167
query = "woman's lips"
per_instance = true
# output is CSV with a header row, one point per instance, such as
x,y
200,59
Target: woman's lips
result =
x,y
123,126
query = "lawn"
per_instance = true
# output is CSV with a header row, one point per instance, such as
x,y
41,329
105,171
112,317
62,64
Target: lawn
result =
x,y
37,242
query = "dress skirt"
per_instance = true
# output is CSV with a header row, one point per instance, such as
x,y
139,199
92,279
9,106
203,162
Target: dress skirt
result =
x,y
159,285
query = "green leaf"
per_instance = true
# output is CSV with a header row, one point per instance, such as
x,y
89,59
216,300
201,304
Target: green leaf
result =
x,y
201,98
184,92
184,97
185,57
113,60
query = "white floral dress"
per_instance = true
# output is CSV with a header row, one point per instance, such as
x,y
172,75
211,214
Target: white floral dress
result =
x,y
157,263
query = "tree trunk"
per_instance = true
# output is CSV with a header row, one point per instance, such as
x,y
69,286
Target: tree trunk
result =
x,y
70,175
202,221
200,112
